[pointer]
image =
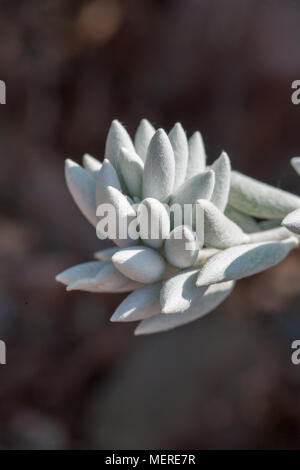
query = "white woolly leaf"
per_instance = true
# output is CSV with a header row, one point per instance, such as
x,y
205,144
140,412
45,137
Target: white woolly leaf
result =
x,y
142,138
219,231
247,223
154,222
82,188
197,157
106,253
107,176
141,304
132,168
85,284
142,264
119,201
79,271
182,248
259,199
292,222
222,169
213,297
108,279
274,234
159,171
117,138
180,148
91,164
180,292
198,187
124,213
244,260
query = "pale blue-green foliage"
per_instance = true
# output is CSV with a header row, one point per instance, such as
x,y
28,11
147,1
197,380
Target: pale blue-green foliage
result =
x,y
248,226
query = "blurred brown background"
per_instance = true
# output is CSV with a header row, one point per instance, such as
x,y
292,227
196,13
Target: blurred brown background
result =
x,y
73,379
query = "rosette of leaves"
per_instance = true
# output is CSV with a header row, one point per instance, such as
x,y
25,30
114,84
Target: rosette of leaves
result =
x,y
170,285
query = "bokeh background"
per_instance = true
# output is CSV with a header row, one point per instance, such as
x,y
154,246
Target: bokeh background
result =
x,y
73,380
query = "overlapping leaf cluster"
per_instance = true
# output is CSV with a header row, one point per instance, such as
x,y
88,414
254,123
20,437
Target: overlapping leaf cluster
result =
x,y
243,229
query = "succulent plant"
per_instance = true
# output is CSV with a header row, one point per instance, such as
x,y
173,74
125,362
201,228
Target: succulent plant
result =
x,y
242,231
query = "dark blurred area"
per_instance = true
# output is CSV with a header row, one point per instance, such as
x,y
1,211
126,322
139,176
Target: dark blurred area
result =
x,y
73,380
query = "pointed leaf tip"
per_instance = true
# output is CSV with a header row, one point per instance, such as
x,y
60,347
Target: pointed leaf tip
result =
x,y
117,138
222,169
197,156
219,231
141,304
82,187
91,164
107,176
198,187
143,136
159,170
292,222
179,144
79,271
132,168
